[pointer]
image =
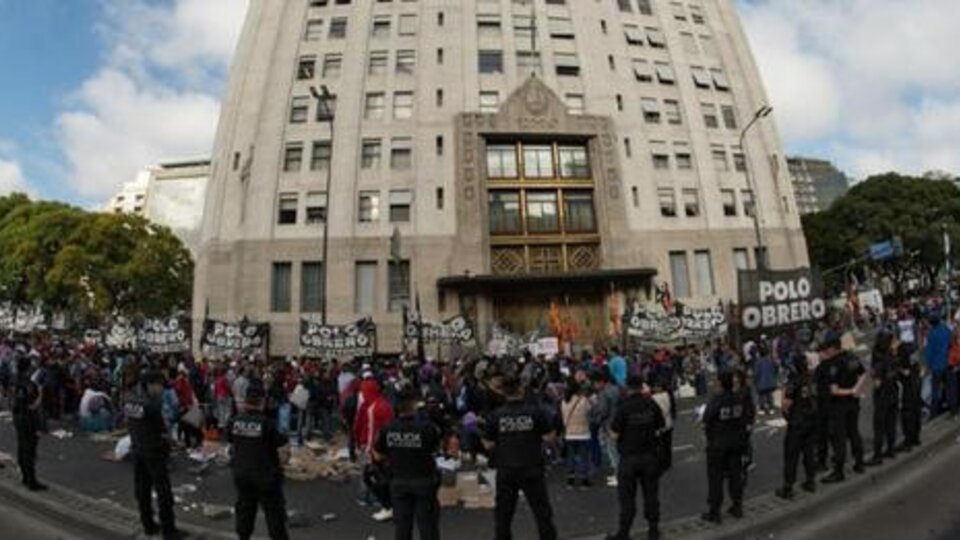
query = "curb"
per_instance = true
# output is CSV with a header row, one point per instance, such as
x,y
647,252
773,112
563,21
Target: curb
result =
x,y
767,516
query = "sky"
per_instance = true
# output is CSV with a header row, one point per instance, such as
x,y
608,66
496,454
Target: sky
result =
x,y
95,90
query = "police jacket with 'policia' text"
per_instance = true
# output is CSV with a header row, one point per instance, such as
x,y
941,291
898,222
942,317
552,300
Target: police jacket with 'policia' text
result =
x,y
799,390
845,373
726,419
517,429
410,443
147,428
255,440
638,421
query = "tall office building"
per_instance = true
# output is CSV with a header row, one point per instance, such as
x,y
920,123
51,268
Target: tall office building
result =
x,y
816,183
531,157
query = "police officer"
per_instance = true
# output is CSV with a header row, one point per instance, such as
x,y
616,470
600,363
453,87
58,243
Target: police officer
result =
x,y
886,394
515,433
409,444
26,419
637,427
150,447
799,406
821,377
911,407
726,420
846,378
257,473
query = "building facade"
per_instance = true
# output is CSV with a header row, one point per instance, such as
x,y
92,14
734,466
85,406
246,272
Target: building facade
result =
x,y
169,194
816,183
504,159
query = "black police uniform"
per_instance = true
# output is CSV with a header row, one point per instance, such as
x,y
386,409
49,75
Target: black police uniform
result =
x,y
410,444
886,395
638,423
726,419
821,376
26,420
912,401
257,473
845,412
801,438
150,450
517,429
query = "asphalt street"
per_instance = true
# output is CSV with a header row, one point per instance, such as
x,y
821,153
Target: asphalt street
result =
x,y
20,522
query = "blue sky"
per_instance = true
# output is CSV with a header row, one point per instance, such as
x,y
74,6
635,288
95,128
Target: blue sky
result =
x,y
96,89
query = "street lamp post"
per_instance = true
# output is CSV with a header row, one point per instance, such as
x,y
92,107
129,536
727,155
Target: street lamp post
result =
x,y
761,255
325,114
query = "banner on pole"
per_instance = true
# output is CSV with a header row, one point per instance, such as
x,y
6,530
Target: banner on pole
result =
x,y
223,338
358,338
456,329
658,326
22,319
164,335
772,301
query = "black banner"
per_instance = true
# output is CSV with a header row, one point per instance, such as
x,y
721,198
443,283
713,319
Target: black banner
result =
x,y
772,301
332,341
121,334
164,335
232,338
456,329
654,325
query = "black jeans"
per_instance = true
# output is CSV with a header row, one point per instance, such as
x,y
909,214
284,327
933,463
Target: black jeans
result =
x,y
27,441
844,426
263,493
645,470
800,442
415,500
510,482
150,475
724,463
884,424
823,431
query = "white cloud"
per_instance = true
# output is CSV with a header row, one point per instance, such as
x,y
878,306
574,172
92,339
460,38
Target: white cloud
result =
x,y
11,178
876,83
156,95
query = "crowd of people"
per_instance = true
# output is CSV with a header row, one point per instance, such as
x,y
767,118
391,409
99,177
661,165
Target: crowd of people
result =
x,y
605,415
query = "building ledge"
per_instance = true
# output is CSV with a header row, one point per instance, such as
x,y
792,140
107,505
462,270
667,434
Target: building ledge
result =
x,y
590,279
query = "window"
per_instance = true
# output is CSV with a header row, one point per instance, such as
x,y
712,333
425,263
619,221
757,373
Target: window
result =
x,y
560,27
538,161
311,287
374,106
655,38
578,216
671,110
575,103
370,154
739,162
313,31
668,202
488,25
320,157
369,210
651,110
331,65
299,109
689,43
729,116
691,203
293,157
644,7
720,162
529,62
439,197
280,281
696,13
678,12
287,209
402,105
326,108
401,153
505,212
704,269
661,160
542,214
709,111
635,193
398,285
489,102
400,201
642,70
381,27
627,148
719,80
679,274
633,34
306,68
316,207
665,73
523,29
574,162
490,61
700,77
338,28
439,55
749,206
729,200
438,143
625,6
365,287
439,97
741,261
567,64
378,63
406,62
408,25
684,160
501,161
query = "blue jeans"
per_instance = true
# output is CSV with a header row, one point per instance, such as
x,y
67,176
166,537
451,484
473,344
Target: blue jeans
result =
x,y
578,459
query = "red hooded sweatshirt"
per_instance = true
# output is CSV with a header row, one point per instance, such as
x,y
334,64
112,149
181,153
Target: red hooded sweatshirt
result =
x,y
373,415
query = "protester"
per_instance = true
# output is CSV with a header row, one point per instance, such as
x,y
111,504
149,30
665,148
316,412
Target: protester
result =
x,y
576,421
373,414
936,357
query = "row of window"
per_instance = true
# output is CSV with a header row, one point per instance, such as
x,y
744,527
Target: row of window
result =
x,y
690,198
368,206
682,159
703,271
538,161
312,286
537,212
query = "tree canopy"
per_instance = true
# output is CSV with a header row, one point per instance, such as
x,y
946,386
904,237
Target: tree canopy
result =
x,y
90,264
879,209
